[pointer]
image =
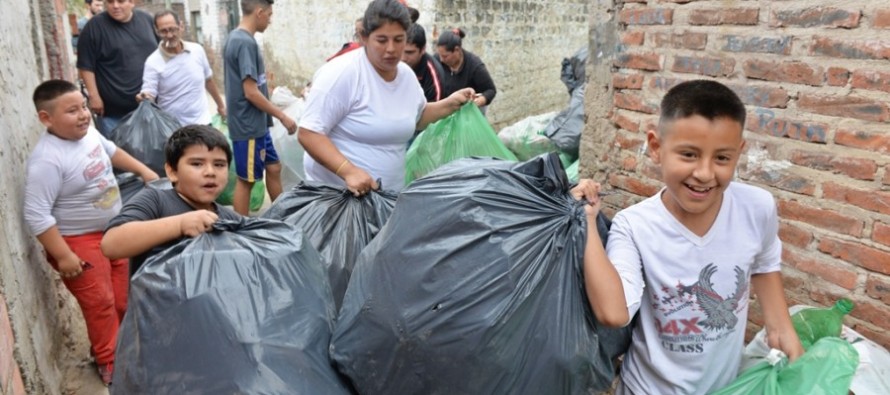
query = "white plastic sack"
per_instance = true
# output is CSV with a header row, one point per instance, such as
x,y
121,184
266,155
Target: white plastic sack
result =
x,y
526,138
290,152
872,376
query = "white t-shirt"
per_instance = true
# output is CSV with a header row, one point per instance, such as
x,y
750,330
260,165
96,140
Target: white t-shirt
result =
x,y
178,83
71,184
691,292
367,118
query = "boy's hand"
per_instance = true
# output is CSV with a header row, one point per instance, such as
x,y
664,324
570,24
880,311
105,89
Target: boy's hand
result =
x,y
71,266
588,190
194,223
787,341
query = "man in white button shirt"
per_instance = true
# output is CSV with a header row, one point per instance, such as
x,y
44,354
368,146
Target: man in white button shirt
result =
x,y
177,73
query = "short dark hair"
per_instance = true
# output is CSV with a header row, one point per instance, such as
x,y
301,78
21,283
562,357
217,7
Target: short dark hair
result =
x,y
49,91
192,135
248,6
380,12
416,36
163,13
413,14
709,99
451,39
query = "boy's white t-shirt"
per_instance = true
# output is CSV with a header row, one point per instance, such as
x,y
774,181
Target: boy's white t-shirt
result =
x,y
71,184
691,292
367,118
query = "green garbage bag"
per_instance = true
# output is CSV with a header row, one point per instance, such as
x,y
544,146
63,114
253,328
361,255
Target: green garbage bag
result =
x,y
463,134
572,172
827,368
257,194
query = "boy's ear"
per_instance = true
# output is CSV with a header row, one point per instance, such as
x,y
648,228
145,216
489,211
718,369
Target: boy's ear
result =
x,y
171,174
654,144
45,118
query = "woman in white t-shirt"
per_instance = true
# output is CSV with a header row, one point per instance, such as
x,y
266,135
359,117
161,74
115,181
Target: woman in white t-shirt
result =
x,y
365,105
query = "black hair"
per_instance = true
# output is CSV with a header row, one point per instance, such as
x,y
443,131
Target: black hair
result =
x,y
248,6
709,99
192,135
380,12
163,13
414,14
416,36
451,39
49,91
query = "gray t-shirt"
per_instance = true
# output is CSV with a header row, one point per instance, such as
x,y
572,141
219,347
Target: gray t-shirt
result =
x,y
151,204
243,60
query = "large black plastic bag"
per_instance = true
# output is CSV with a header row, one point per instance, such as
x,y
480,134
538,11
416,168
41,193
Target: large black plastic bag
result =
x,y
574,73
338,224
143,133
243,309
565,130
474,286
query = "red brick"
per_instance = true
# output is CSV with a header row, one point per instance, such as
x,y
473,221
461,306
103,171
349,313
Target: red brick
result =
x,y
629,142
633,102
714,67
871,80
633,38
625,123
822,218
725,16
774,45
793,235
886,180
663,84
627,81
881,20
684,40
858,168
878,287
877,201
642,61
838,76
881,233
872,312
646,16
629,163
634,185
858,254
784,181
850,49
845,107
818,16
793,72
764,121
828,271
881,336
761,96
879,143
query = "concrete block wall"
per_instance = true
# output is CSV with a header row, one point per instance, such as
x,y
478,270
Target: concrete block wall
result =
x,y
814,77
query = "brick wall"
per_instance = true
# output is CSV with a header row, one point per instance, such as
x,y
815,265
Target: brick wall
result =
x,y
814,77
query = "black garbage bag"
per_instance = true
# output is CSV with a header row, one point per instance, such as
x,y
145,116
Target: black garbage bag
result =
x,y
475,286
143,133
338,224
574,73
242,309
565,130
130,184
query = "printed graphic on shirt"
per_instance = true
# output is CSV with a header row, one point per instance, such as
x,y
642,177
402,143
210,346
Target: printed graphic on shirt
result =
x,y
690,316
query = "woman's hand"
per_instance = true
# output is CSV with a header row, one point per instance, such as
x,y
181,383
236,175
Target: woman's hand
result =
x,y
460,97
358,181
588,190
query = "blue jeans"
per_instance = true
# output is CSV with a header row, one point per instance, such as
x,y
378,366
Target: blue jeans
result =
x,y
107,124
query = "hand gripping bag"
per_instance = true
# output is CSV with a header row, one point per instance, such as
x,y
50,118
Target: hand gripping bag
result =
x,y
463,134
143,134
475,286
242,309
338,224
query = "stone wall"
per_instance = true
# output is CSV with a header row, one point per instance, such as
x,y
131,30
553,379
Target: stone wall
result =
x,y
813,75
522,43
32,312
